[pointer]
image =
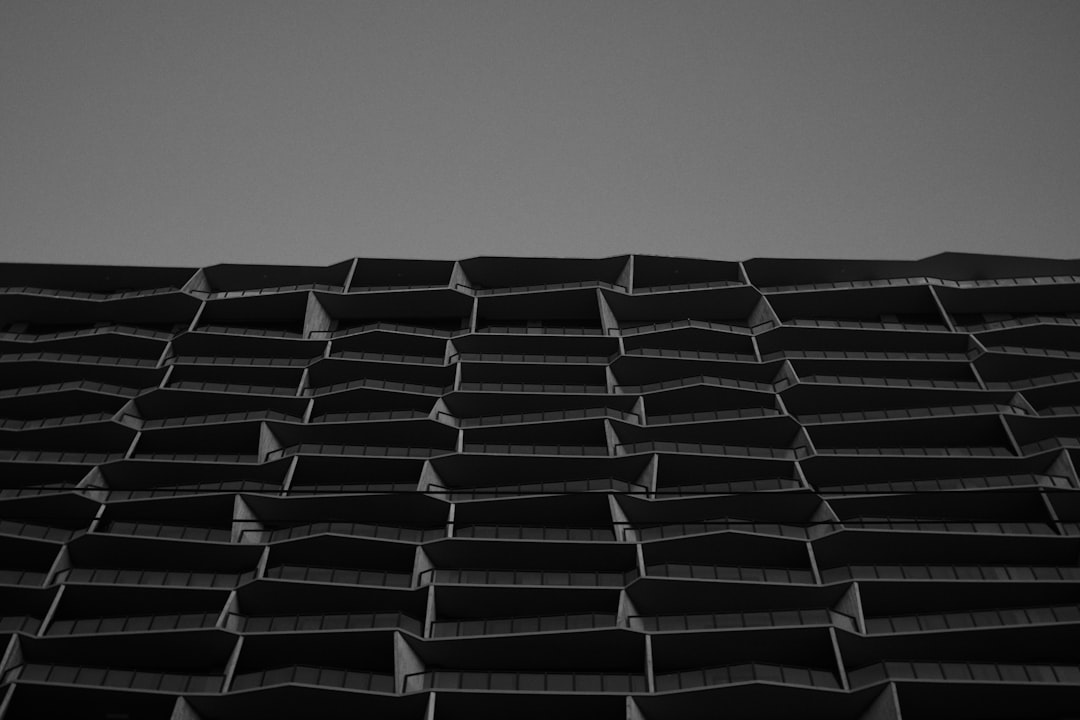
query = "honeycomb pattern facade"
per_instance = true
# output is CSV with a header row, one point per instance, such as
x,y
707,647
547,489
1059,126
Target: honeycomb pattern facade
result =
x,y
632,488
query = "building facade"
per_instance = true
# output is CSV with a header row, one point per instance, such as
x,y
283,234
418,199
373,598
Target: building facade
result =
x,y
632,488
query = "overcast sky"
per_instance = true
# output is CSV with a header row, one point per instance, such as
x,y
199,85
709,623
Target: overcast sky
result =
x,y
194,132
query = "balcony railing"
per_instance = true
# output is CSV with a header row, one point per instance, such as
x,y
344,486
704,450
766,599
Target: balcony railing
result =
x,y
254,332
388,327
1021,321
215,418
704,285
711,415
974,619
40,489
19,623
1035,351
547,488
78,359
704,449
232,388
920,451
88,332
340,576
388,358
528,682
628,329
891,382
534,417
243,361
911,413
164,578
395,288
172,532
376,416
538,330
660,532
948,526
699,380
87,385
746,673
323,677
1012,573
726,621
86,294
968,483
521,625
252,292
142,623
1051,443
51,422
528,577
964,672
1041,381
377,384
866,324
234,486
197,457
578,450
33,578
353,450
730,486
38,532
533,388
533,358
527,532
795,353
117,678
689,354
924,280
52,456
329,622
684,571
354,529
350,488
516,289
1060,410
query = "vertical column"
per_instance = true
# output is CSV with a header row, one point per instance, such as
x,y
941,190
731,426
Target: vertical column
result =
x,y
407,664
813,562
51,612
649,475
608,322
945,316
850,604
421,566
619,522
246,528
228,618
350,275
841,670
268,442
650,674
316,319
626,275
430,612
230,665
612,438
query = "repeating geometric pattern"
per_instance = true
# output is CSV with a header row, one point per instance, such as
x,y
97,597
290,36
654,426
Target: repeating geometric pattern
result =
x,y
637,487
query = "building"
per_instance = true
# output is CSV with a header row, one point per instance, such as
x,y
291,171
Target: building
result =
x,y
628,488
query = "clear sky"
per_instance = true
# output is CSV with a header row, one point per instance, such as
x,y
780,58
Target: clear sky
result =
x,y
194,132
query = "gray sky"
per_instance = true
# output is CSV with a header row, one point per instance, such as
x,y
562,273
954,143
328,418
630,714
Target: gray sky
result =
x,y
194,132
